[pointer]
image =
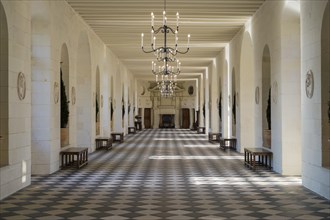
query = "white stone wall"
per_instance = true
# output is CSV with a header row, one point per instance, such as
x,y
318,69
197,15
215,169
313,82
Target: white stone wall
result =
x,y
53,24
17,174
314,176
273,25
222,67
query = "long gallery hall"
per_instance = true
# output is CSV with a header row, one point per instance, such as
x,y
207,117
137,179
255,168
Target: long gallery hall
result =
x,y
165,174
164,109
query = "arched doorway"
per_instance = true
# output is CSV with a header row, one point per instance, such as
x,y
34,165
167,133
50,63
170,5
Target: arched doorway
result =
x,y
64,96
220,105
266,97
247,94
325,93
3,87
233,102
84,95
98,103
111,104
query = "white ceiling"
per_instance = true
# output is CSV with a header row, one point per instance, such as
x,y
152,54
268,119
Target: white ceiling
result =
x,y
211,23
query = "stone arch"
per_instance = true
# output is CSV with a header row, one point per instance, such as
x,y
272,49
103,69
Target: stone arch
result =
x,y
98,104
84,92
220,104
325,85
233,102
64,72
226,122
122,106
266,95
4,55
111,103
247,90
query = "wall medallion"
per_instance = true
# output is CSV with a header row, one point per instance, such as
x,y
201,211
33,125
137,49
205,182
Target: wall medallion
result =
x,y
190,90
143,90
275,92
309,84
257,94
21,86
73,95
56,92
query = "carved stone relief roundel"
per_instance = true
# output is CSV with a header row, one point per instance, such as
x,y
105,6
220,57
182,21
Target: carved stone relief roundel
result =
x,y
309,84
21,86
73,95
190,90
257,95
143,90
56,92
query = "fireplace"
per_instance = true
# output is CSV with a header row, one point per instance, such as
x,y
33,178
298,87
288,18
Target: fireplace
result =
x,y
167,121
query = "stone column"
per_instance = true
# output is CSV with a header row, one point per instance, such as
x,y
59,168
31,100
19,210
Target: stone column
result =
x,y
191,115
142,112
201,101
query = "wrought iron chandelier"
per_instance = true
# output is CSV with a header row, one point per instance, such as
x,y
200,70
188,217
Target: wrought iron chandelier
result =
x,y
165,54
166,85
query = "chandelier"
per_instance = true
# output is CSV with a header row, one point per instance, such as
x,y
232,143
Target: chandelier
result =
x,y
167,88
165,53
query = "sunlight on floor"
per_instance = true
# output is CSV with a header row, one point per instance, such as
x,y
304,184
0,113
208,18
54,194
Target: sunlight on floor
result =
x,y
201,145
179,157
266,181
179,139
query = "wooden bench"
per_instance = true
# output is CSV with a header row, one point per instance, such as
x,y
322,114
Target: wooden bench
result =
x,y
201,130
118,134
131,130
228,143
257,157
214,136
103,142
77,156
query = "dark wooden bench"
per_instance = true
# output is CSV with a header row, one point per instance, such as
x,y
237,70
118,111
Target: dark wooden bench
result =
x,y
74,156
228,143
201,130
103,142
214,136
254,157
120,136
131,130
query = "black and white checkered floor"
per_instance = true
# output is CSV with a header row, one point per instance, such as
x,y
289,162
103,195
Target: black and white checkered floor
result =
x,y
165,174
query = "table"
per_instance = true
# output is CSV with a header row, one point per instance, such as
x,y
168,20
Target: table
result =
x,y
118,134
258,157
103,142
131,130
214,136
68,157
201,130
229,142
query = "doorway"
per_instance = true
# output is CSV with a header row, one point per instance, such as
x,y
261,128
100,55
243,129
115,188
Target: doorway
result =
x,y
185,118
147,118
